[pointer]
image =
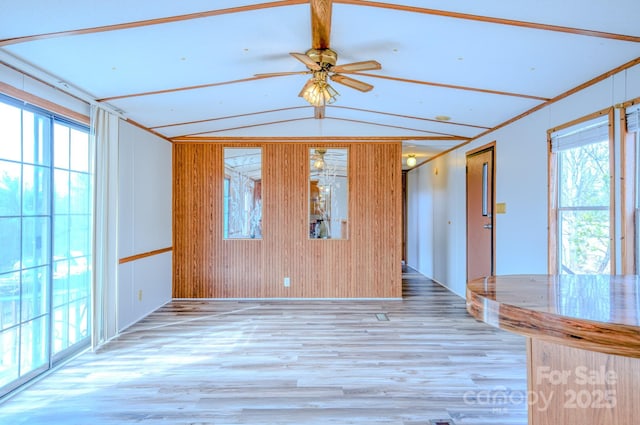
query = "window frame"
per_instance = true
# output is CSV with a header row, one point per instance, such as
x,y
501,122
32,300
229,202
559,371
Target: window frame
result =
x,y
553,193
630,193
49,117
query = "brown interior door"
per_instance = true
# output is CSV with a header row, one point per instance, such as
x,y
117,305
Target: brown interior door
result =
x,y
480,251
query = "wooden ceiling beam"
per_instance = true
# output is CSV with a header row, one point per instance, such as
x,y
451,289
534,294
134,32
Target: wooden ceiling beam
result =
x,y
321,15
280,139
410,117
438,135
177,89
320,24
316,115
451,86
568,93
241,127
227,117
149,22
363,74
445,136
492,20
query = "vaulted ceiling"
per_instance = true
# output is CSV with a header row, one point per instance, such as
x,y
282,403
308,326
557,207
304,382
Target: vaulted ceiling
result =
x,y
451,70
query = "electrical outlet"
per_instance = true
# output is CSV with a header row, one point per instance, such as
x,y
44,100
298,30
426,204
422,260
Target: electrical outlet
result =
x,y
140,295
287,282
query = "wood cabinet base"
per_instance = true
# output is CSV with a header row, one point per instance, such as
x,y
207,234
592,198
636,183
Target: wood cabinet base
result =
x,y
573,386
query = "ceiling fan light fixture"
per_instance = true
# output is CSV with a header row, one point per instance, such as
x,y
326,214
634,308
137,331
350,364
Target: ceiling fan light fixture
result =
x,y
318,92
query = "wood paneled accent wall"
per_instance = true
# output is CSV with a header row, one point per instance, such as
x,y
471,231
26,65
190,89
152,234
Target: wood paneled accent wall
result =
x,y
367,265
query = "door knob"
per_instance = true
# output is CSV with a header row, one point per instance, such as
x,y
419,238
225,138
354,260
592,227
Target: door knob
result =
x,y
488,226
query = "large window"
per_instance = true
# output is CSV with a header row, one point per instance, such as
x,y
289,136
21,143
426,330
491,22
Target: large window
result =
x,y
581,204
45,240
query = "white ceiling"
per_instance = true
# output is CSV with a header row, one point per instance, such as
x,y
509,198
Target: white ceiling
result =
x,y
480,63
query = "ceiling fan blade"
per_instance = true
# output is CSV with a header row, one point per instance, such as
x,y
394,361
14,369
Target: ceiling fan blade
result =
x,y
310,63
357,66
320,23
350,82
280,74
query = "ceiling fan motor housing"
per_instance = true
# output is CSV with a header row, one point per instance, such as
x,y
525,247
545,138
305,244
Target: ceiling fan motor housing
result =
x,y
323,56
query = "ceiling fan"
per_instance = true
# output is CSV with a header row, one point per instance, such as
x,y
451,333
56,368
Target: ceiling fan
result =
x,y
321,61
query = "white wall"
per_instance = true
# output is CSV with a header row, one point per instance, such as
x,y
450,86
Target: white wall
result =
x,y
436,241
30,85
144,223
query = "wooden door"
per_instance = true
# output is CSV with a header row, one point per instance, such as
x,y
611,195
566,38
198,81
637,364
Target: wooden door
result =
x,y
480,233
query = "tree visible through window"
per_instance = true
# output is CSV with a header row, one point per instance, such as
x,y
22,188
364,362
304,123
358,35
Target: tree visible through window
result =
x,y
45,234
584,209
581,159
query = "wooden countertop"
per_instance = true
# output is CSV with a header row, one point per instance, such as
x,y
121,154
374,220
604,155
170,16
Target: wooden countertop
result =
x,y
592,312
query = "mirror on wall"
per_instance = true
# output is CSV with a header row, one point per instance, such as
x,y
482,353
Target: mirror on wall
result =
x,y
328,193
242,193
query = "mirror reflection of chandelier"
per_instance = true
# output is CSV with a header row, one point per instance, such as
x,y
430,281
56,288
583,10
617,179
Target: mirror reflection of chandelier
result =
x,y
328,193
318,163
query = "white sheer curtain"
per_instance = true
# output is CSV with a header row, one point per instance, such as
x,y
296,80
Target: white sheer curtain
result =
x,y
104,133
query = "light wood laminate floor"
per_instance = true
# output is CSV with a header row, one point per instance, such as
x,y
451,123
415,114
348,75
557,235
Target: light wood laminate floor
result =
x,y
292,362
